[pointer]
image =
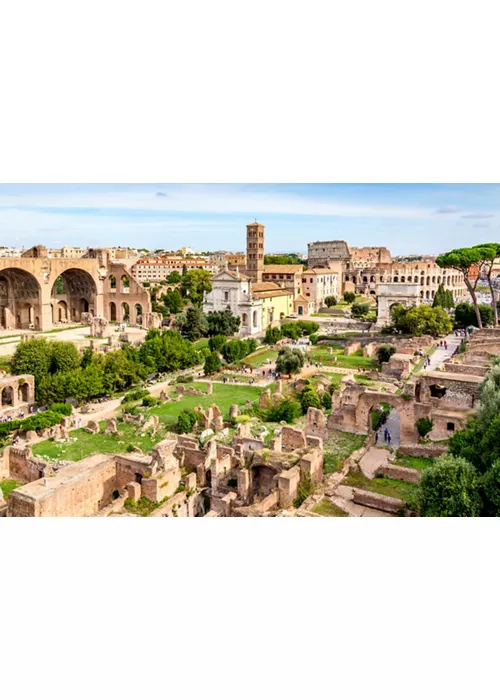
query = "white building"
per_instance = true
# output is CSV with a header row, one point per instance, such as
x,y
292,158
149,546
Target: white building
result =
x,y
317,284
231,290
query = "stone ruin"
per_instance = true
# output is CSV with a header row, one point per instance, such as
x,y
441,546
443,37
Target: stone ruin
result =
x,y
99,327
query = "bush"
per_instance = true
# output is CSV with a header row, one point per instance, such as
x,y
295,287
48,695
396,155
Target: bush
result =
x,y
313,338
217,342
385,352
449,488
150,401
326,400
64,409
349,297
212,364
308,327
305,489
309,398
359,310
186,421
272,335
130,447
330,301
184,379
424,426
287,410
135,395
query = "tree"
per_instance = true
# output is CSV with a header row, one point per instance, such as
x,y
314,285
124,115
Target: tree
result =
x,y
32,357
424,426
289,361
217,342
186,421
64,357
287,410
291,330
359,310
349,297
385,352
490,252
326,400
443,297
288,259
421,320
212,363
330,301
465,261
465,315
223,323
184,270
449,488
196,324
195,284
173,300
174,277
309,398
490,490
273,335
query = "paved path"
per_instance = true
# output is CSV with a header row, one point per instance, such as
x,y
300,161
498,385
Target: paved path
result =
x,y
441,354
393,426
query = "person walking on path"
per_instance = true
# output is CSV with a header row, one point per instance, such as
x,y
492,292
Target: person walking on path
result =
x,y
389,438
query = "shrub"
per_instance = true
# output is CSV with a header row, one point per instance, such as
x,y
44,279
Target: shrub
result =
x,y
313,338
309,398
308,327
212,363
186,421
359,310
385,352
150,401
287,410
64,409
449,488
217,342
326,400
304,490
272,335
330,301
424,426
136,395
130,447
349,297
185,379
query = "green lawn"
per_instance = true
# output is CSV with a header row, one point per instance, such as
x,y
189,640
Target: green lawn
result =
x,y
201,343
87,443
320,354
383,486
224,395
419,463
338,447
259,358
8,485
329,510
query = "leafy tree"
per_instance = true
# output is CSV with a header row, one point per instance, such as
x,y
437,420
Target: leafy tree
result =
x,y
465,315
309,398
490,490
289,361
217,342
287,410
64,357
223,323
465,260
289,259
359,310
308,327
326,400
421,320
443,298
184,270
490,252
330,301
449,488
424,426
186,421
174,277
196,324
349,297
173,300
385,352
236,349
273,335
212,363
291,330
195,283
34,357
87,356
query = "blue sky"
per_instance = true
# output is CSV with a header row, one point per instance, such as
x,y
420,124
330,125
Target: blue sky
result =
x,y
405,218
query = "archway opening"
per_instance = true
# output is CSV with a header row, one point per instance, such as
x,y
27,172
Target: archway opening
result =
x,y
125,312
23,393
112,311
7,396
112,282
20,299
138,314
125,289
73,290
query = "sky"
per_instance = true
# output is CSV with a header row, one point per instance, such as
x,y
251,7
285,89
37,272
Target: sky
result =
x,y
423,218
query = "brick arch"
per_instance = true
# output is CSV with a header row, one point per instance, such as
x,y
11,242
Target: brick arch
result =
x,y
405,409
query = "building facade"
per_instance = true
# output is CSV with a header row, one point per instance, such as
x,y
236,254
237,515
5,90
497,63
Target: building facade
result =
x,y
255,251
231,290
317,284
157,269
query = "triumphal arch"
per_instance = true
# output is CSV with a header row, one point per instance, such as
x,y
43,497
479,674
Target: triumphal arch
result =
x,y
392,294
38,292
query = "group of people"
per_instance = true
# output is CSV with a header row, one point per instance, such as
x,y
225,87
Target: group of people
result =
x,y
443,344
387,436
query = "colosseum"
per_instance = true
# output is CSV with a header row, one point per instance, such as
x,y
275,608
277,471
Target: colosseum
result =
x,y
38,292
364,268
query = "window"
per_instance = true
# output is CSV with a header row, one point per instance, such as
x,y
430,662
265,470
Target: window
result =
x,y
450,426
226,296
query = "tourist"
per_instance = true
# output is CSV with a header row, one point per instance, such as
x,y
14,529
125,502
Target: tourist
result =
x,y
385,434
389,438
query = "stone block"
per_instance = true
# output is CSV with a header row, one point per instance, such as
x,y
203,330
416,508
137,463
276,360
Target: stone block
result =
x,y
92,427
190,481
133,490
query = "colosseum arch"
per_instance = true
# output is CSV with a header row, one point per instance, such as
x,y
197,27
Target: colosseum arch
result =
x,y
405,409
20,299
73,293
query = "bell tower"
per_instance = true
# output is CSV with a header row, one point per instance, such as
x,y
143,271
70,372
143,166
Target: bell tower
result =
x,y
255,251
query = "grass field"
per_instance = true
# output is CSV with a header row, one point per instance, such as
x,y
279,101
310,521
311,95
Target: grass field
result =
x,y
320,354
329,510
259,358
384,486
201,343
8,485
338,447
419,463
224,395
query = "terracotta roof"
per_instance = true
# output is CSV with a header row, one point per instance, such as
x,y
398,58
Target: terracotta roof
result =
x,y
263,286
232,273
273,293
301,297
283,269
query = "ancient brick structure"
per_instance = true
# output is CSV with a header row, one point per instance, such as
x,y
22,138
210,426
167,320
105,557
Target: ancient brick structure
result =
x,y
17,393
